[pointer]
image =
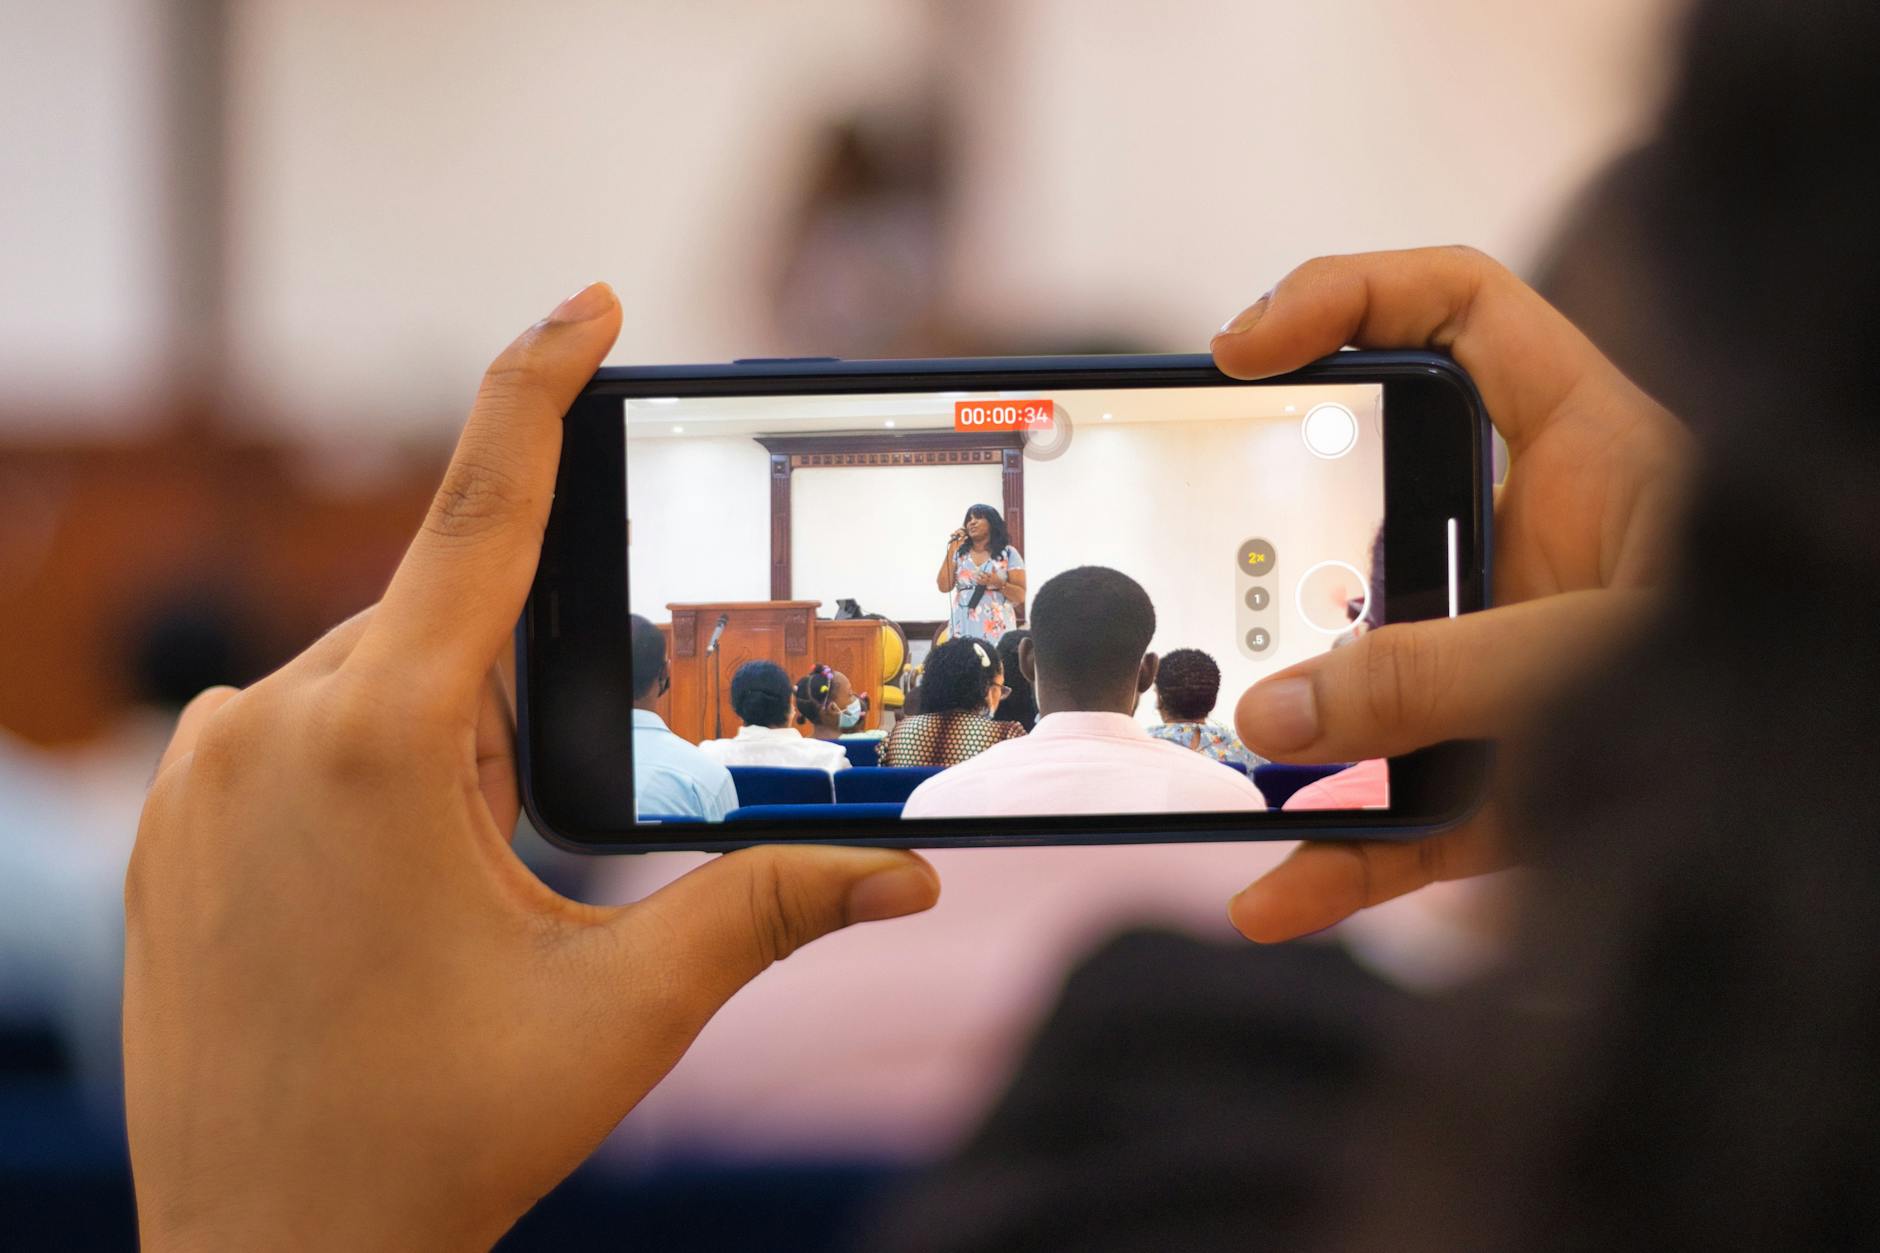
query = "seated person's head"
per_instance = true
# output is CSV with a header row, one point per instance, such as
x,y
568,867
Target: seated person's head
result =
x,y
1187,684
1019,704
761,694
1089,645
648,645
823,696
962,676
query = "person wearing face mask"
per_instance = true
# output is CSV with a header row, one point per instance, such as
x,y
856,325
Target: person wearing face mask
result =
x,y
761,696
961,686
828,705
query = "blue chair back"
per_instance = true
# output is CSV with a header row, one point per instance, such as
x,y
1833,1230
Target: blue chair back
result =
x,y
863,752
831,814
1241,766
1277,781
781,785
873,785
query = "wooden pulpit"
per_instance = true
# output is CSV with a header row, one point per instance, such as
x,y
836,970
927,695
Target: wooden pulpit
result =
x,y
787,632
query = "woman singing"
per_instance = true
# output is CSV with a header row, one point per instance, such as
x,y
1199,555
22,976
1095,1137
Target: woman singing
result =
x,y
985,575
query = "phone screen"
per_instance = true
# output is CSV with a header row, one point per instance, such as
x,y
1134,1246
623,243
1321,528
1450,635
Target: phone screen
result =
x,y
1019,603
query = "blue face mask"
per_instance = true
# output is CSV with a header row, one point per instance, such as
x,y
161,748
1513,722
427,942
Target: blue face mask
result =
x,y
851,713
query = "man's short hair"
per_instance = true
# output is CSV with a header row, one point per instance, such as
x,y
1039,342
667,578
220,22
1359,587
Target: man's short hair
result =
x,y
649,654
1189,683
1089,630
760,694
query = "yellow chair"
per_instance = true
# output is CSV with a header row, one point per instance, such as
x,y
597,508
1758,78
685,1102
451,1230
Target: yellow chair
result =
x,y
893,665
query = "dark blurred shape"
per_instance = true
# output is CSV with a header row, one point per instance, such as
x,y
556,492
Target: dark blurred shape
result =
x,y
865,259
1704,815
1022,705
186,646
1597,268
1182,1095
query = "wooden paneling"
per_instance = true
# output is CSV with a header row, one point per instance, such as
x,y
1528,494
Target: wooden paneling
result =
x,y
786,632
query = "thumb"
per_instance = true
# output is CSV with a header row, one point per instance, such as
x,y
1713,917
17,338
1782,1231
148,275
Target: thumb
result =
x,y
720,926
1413,684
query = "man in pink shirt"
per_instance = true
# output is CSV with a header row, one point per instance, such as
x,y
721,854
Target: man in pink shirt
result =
x,y
1089,664
1363,786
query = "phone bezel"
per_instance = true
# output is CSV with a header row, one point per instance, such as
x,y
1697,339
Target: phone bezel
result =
x,y
570,641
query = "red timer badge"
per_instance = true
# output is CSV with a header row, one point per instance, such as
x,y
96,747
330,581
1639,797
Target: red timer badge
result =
x,y
1003,415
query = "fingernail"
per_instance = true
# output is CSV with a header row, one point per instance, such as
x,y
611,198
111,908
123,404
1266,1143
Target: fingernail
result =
x,y
892,894
590,302
1244,320
1282,713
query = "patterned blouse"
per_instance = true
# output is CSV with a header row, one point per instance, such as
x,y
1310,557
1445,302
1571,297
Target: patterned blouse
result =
x,y
1210,739
994,615
943,739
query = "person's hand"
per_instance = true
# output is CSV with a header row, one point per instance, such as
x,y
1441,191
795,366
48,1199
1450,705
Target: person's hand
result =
x,y
1583,522
352,1017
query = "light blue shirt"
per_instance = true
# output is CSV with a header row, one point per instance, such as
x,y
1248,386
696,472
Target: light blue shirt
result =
x,y
671,776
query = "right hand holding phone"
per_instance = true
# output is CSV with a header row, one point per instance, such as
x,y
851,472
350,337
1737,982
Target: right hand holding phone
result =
x,y
1583,528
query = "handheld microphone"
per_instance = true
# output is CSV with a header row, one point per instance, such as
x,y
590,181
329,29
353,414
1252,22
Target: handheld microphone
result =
x,y
716,632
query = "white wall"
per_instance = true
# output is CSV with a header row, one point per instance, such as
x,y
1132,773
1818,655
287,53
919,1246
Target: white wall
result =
x,y
415,182
700,510
82,279
412,183
1168,504
877,533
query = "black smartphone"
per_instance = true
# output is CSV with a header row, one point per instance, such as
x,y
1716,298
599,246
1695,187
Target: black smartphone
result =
x,y
684,683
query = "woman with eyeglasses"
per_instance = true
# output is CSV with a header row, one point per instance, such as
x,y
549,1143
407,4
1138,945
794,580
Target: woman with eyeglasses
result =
x,y
960,689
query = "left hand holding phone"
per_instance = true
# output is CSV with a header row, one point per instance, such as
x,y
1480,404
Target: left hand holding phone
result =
x,y
350,1012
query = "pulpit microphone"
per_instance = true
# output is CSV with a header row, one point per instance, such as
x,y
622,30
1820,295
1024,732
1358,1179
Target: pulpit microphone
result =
x,y
717,631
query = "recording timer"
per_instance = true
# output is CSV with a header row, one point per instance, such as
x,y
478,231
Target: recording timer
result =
x,y
1004,415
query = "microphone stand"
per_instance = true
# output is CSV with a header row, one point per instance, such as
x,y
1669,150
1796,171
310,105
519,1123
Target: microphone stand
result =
x,y
718,678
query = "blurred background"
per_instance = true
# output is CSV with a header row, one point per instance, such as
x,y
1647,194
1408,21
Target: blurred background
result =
x,y
254,257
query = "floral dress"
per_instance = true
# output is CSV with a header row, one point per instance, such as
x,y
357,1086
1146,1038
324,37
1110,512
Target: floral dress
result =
x,y
994,615
1210,739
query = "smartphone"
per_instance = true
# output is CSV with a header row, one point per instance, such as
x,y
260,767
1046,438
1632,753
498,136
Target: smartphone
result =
x,y
707,520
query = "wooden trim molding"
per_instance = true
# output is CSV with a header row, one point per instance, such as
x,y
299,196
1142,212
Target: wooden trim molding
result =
x,y
780,526
789,453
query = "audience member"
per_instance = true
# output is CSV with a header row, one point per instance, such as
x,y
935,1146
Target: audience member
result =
x,y
961,686
670,776
1022,705
1187,684
1088,662
1363,786
828,704
761,696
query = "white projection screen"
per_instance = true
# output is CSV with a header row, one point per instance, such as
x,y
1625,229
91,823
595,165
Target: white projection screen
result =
x,y
875,534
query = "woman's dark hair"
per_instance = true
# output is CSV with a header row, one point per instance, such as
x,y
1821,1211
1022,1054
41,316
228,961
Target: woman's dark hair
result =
x,y
957,676
1022,705
760,694
1702,815
997,538
1188,683
812,692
